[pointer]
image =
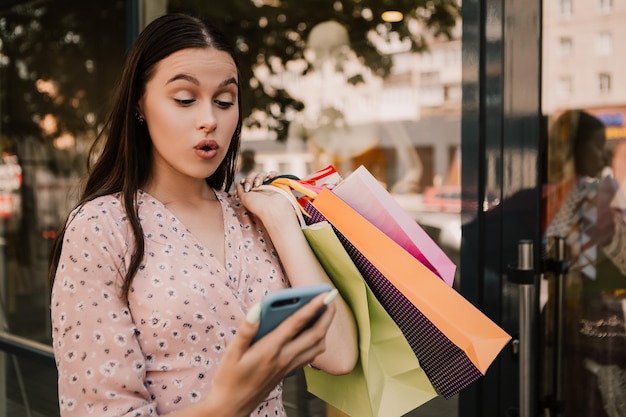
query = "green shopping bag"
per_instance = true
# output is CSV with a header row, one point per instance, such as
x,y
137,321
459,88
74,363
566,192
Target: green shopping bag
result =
x,y
387,380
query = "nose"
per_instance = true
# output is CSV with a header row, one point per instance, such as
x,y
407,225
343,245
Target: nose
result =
x,y
206,118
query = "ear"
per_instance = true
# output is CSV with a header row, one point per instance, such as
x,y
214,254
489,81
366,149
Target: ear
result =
x,y
140,107
139,115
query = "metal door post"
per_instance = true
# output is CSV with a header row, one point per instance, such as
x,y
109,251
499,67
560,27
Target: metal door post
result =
x,y
524,276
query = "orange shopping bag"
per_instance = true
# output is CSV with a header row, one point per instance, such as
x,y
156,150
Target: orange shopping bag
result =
x,y
387,380
453,340
362,191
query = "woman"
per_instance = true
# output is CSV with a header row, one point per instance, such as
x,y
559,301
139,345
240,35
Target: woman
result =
x,y
158,272
579,211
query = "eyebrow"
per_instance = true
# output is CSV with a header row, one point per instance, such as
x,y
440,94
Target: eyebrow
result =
x,y
228,81
195,81
185,77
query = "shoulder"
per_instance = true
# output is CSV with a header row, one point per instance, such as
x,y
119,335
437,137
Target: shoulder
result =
x,y
231,203
107,204
105,209
235,213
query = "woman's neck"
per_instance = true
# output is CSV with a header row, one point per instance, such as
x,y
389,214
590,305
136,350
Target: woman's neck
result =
x,y
169,192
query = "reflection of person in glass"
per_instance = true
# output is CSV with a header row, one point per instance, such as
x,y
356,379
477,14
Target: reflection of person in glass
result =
x,y
579,209
158,273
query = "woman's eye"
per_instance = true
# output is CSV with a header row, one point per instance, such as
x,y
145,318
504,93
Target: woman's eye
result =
x,y
223,104
185,102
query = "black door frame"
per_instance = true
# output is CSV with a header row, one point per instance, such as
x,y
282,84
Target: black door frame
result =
x,y
501,142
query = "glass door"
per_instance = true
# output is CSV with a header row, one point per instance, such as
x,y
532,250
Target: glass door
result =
x,y
57,59
352,83
584,299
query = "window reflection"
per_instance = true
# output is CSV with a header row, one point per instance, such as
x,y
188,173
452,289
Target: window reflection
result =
x,y
337,84
584,354
58,60
376,98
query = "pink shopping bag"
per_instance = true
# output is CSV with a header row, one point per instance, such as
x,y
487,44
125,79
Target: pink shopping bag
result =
x,y
362,191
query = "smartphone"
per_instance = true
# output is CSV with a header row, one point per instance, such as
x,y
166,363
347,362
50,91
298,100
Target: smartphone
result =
x,y
280,304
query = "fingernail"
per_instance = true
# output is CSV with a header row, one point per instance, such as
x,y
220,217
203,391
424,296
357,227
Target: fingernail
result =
x,y
241,181
246,187
331,296
257,182
254,314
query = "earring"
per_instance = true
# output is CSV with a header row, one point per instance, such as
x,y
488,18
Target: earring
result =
x,y
140,118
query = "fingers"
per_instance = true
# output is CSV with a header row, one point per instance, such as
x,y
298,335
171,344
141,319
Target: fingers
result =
x,y
300,346
255,179
288,346
247,373
312,342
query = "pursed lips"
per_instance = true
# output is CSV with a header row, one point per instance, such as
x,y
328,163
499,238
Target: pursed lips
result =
x,y
206,148
207,145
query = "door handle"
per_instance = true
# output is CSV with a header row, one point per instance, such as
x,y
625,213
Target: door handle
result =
x,y
523,274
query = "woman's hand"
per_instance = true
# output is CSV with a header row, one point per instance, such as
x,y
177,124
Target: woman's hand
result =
x,y
263,203
254,179
248,373
301,267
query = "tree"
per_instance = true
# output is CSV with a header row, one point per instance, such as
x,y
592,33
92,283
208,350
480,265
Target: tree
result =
x,y
59,61
277,31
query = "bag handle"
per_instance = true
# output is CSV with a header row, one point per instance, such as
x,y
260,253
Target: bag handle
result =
x,y
290,197
300,191
303,191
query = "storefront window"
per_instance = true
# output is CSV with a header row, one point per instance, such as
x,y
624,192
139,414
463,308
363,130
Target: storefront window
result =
x,y
334,83
584,308
58,60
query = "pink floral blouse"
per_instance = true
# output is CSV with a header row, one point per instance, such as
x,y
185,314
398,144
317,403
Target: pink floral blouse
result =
x,y
158,352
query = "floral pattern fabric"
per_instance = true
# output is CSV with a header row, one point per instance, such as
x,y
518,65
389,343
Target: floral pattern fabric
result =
x,y
158,352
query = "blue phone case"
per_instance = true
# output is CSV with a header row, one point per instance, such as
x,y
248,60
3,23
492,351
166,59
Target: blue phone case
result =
x,y
278,305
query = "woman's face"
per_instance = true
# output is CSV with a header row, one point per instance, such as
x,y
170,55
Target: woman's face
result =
x,y
190,108
589,154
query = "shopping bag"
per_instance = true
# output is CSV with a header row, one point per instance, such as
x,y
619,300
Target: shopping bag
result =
x,y
387,380
364,193
453,340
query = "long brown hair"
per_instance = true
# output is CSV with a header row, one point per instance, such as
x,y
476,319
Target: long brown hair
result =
x,y
123,151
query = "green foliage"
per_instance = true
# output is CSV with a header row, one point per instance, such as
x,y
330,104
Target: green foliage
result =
x,y
265,29
60,59
78,46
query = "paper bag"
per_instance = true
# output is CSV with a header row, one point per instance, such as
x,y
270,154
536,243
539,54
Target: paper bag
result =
x,y
454,342
362,191
387,380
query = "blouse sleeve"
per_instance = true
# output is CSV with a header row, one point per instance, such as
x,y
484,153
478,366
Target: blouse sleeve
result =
x,y
101,368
